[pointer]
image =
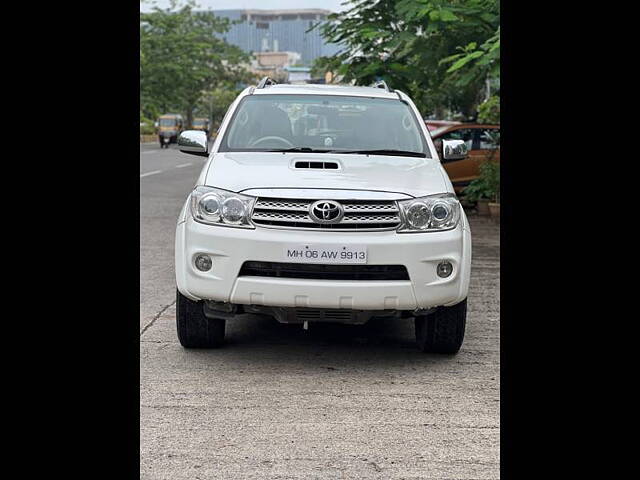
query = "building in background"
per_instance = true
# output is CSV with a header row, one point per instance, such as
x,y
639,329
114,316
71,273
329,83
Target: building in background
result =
x,y
274,64
279,31
299,74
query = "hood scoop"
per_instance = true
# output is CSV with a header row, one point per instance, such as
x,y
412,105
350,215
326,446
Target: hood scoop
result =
x,y
317,165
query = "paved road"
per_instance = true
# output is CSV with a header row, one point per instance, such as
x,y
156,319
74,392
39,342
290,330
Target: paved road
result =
x,y
335,402
166,178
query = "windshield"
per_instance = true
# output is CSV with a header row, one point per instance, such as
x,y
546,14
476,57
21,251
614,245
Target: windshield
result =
x,y
324,123
167,122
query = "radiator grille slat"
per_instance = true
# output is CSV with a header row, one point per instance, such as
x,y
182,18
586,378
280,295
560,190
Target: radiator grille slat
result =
x,y
358,214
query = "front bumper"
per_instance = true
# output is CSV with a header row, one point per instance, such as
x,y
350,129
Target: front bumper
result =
x,y
229,248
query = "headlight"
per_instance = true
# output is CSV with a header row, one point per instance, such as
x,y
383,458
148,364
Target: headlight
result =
x,y
429,214
417,216
218,207
234,210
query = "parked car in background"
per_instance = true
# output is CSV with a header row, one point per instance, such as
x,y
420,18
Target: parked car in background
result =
x,y
435,124
483,142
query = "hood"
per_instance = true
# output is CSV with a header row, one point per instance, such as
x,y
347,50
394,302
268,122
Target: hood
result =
x,y
241,171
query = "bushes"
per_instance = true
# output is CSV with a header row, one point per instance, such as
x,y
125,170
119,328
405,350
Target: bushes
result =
x,y
487,185
146,129
146,126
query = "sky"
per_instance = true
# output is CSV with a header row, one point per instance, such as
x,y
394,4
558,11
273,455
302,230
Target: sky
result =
x,y
333,5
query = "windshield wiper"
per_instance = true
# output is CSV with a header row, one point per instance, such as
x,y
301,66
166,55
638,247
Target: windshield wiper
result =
x,y
297,149
401,153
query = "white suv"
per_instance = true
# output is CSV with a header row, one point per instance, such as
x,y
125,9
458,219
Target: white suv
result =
x,y
322,203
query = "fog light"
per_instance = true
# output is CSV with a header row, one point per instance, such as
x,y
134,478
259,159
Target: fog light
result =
x,y
203,262
444,269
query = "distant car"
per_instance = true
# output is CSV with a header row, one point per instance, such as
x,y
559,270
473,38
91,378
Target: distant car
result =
x,y
483,142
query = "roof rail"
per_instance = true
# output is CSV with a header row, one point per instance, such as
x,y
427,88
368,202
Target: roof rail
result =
x,y
266,82
382,84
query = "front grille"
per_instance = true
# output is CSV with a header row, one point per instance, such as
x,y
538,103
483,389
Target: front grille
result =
x,y
358,214
324,272
325,315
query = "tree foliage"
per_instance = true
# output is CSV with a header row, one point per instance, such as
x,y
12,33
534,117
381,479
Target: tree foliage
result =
x,y
475,62
415,46
182,58
216,103
489,110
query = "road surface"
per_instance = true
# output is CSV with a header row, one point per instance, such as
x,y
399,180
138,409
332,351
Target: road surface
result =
x,y
336,402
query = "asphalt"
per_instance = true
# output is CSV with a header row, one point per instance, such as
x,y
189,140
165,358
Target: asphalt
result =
x,y
331,402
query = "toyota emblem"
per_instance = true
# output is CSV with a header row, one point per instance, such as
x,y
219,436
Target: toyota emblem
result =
x,y
326,211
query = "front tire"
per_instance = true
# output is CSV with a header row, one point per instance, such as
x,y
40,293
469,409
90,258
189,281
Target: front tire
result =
x,y
195,330
443,330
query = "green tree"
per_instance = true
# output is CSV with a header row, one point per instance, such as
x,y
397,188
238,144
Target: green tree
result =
x,y
475,62
404,43
181,57
489,111
216,103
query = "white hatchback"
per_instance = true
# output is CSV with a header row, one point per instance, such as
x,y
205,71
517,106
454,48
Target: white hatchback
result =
x,y
322,203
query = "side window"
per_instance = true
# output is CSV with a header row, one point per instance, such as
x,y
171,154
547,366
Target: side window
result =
x,y
465,134
489,138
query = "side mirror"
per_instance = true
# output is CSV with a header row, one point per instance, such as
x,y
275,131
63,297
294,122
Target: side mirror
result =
x,y
454,150
193,142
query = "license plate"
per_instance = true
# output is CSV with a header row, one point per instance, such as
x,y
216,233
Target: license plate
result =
x,y
309,253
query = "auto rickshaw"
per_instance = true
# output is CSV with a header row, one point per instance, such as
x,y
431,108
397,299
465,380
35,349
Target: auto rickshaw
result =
x,y
169,126
200,123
